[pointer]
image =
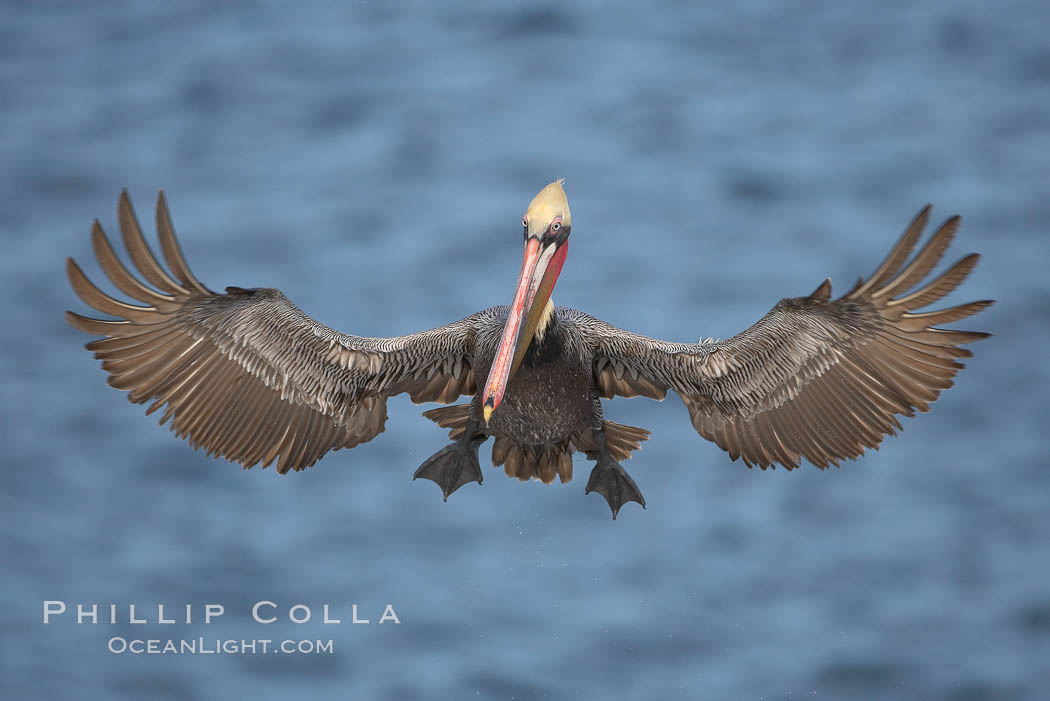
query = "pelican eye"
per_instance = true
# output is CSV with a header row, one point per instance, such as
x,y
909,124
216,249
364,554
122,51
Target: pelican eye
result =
x,y
525,223
555,225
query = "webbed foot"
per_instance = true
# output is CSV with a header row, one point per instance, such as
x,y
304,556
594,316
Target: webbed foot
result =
x,y
453,466
609,479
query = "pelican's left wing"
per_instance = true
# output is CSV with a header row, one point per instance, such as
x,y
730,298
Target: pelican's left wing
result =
x,y
246,374
815,378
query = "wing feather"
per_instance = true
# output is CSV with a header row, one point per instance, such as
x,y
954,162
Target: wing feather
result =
x,y
139,250
169,246
924,261
117,273
897,255
246,375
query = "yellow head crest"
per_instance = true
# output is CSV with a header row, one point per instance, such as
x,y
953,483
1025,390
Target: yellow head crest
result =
x,y
545,206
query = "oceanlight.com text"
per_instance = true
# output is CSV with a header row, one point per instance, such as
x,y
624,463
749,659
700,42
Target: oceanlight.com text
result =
x,y
215,646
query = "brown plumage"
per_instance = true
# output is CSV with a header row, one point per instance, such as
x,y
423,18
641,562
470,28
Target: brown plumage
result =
x,y
248,376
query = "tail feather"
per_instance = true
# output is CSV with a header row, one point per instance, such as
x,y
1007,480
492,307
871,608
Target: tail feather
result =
x,y
452,417
542,462
624,440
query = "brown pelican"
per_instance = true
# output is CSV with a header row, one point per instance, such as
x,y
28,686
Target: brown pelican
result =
x,y
250,377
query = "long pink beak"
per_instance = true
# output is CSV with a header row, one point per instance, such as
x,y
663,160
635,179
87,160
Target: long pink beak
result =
x,y
540,268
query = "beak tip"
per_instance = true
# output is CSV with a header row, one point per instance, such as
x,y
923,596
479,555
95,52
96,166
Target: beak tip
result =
x,y
487,413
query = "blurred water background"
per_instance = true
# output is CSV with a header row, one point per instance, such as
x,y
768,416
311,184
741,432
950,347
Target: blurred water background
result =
x,y
372,160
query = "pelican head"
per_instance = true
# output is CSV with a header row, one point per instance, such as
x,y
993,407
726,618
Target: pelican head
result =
x,y
546,226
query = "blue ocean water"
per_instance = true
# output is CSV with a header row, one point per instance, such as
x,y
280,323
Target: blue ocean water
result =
x,y
372,160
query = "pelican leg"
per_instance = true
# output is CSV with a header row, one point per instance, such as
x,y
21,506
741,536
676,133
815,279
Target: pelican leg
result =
x,y
609,479
457,464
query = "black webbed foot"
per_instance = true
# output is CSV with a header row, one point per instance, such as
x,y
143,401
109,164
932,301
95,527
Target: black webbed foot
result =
x,y
453,466
609,479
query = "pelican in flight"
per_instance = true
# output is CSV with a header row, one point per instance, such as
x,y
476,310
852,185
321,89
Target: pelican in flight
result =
x,y
248,376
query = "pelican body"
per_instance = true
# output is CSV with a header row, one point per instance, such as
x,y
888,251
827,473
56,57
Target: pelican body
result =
x,y
251,378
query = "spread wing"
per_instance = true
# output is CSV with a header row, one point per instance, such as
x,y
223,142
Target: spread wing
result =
x,y
815,378
246,374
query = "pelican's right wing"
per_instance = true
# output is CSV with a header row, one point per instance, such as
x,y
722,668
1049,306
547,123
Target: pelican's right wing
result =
x,y
246,374
816,378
